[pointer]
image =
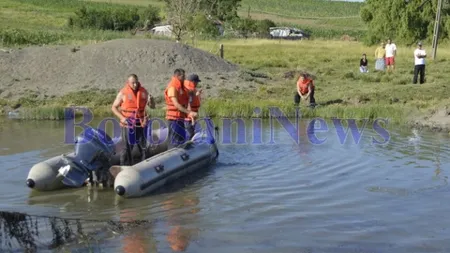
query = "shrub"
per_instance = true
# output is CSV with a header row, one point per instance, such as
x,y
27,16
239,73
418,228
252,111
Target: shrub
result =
x,y
244,26
122,19
203,27
263,27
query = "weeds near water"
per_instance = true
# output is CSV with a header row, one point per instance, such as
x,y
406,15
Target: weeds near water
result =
x,y
28,232
219,108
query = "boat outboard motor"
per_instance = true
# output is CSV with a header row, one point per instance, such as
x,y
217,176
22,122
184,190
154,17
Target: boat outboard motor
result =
x,y
93,152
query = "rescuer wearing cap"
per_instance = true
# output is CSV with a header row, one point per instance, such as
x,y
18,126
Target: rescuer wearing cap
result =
x,y
194,101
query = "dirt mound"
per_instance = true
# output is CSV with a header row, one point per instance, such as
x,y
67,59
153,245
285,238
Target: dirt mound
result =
x,y
439,120
56,70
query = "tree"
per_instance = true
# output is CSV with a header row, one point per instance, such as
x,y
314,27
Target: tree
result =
x,y
224,10
201,25
180,15
406,21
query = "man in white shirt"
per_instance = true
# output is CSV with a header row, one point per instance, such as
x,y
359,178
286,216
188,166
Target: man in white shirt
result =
x,y
419,63
391,52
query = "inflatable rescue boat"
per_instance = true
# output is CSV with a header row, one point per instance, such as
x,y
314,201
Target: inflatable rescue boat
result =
x,y
96,160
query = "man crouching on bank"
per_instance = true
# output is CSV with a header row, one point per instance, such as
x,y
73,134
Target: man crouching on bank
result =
x,y
305,90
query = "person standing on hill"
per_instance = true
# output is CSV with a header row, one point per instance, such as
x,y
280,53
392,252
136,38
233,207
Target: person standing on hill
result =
x,y
177,100
132,100
305,90
363,64
380,53
419,63
194,101
391,52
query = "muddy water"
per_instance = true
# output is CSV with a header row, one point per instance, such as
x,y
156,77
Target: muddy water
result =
x,y
276,196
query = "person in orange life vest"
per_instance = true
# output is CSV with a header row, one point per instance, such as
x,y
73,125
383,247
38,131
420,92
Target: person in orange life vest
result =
x,y
132,100
305,90
177,100
194,101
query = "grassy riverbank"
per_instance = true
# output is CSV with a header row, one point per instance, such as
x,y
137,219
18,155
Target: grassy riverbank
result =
x,y
341,90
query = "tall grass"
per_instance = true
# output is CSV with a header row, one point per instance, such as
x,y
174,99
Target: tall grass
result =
x,y
18,37
218,108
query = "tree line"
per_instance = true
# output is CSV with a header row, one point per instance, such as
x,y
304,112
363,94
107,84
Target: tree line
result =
x,y
405,21
188,17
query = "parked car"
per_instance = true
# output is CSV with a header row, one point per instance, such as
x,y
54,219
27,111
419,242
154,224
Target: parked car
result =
x,y
288,33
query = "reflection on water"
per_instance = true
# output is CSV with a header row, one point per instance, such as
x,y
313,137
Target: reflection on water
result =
x,y
339,195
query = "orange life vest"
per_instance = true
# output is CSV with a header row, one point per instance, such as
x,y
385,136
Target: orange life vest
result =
x,y
195,103
303,85
133,104
172,112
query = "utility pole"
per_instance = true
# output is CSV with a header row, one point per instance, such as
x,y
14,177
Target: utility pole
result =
x,y
436,28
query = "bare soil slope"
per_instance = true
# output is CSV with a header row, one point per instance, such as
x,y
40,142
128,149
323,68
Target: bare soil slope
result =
x,y
56,70
437,121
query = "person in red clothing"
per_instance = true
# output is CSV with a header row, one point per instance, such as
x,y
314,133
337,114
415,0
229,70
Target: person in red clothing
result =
x,y
305,90
194,101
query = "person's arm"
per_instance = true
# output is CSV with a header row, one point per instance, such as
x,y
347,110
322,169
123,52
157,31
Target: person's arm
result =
x,y
309,90
116,104
298,90
417,54
299,93
151,102
191,98
173,96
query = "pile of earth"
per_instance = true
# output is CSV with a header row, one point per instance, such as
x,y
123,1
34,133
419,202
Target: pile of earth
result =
x,y
56,70
439,120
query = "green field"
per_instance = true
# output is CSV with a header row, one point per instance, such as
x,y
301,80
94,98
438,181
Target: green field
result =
x,y
45,21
